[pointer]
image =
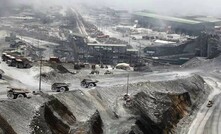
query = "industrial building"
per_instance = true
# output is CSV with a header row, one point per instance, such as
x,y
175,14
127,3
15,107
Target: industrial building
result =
x,y
191,26
111,54
206,19
171,53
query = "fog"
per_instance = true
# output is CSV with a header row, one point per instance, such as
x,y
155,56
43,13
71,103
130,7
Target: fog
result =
x,y
183,7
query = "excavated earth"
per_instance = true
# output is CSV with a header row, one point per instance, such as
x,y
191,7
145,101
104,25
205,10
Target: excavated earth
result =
x,y
154,108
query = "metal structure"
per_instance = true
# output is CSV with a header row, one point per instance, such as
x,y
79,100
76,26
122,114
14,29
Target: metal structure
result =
x,y
40,69
127,83
40,74
192,26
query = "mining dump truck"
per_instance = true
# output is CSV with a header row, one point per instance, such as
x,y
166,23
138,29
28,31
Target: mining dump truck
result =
x,y
15,60
4,56
88,83
210,104
7,58
7,55
54,60
14,93
60,87
22,62
11,61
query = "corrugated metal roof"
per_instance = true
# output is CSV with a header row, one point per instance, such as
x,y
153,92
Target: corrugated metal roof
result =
x,y
108,45
167,18
132,50
164,42
208,19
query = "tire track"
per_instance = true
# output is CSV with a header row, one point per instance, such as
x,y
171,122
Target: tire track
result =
x,y
205,114
199,124
211,125
218,129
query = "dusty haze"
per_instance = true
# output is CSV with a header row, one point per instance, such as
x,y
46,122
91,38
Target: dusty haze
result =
x,y
183,7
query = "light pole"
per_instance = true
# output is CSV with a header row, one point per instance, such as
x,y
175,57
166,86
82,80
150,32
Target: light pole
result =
x,y
40,55
126,96
127,83
40,73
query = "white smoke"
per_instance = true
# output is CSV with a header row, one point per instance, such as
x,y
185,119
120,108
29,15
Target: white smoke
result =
x,y
184,7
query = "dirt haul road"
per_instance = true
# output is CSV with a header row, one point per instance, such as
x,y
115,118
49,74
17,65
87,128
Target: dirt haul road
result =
x,y
208,119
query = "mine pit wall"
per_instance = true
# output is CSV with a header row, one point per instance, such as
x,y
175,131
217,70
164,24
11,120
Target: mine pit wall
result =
x,y
39,124
5,128
60,115
16,115
172,100
56,106
156,108
56,118
178,108
49,120
180,105
96,124
93,126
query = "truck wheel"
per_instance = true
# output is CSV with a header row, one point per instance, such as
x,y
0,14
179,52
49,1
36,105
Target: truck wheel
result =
x,y
91,85
20,96
10,95
28,66
62,89
84,85
18,65
21,66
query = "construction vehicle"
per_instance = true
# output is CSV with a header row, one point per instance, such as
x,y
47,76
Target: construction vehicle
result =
x,y
210,104
128,100
11,61
54,60
88,83
22,62
60,87
15,60
93,67
108,72
94,72
14,93
8,55
4,57
19,62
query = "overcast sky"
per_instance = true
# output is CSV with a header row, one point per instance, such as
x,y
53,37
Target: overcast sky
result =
x,y
208,7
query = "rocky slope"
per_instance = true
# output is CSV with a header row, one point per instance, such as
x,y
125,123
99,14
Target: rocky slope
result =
x,y
153,107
